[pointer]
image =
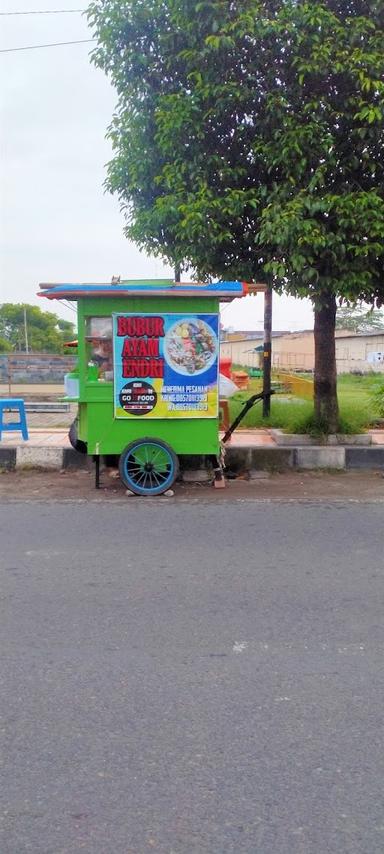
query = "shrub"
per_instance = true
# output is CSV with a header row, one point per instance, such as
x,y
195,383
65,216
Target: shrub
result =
x,y
377,398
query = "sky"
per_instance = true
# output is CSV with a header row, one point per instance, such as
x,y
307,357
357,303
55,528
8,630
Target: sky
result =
x,y
56,222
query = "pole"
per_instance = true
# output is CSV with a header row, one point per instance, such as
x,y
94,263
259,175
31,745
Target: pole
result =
x,y
9,373
26,330
267,355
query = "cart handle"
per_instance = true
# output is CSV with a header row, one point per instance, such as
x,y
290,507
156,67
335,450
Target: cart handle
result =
x,y
247,406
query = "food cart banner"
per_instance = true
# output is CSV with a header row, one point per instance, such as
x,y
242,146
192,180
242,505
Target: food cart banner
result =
x,y
166,365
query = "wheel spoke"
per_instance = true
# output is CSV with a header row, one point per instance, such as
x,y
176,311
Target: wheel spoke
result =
x,y
156,479
160,474
152,481
162,465
135,460
159,451
134,472
147,476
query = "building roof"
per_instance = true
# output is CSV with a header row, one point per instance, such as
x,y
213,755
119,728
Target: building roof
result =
x,y
346,333
238,335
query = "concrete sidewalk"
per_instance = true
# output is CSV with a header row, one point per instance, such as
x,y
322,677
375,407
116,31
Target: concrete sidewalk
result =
x,y
248,450
58,436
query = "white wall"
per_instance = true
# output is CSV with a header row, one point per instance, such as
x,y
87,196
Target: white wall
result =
x,y
360,353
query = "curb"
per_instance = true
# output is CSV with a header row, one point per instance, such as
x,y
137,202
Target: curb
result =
x,y
294,440
48,458
320,457
237,460
364,458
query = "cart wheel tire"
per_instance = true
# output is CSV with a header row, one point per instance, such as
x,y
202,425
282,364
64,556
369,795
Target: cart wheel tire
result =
x,y
148,466
76,443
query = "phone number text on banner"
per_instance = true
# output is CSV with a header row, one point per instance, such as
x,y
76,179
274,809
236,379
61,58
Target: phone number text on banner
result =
x,y
166,365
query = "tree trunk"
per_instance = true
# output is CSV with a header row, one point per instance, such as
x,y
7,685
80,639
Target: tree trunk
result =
x,y
325,398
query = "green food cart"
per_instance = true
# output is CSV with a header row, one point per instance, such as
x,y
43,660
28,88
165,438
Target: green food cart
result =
x,y
147,379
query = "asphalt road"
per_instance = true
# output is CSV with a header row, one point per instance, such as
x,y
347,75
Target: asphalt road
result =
x,y
192,677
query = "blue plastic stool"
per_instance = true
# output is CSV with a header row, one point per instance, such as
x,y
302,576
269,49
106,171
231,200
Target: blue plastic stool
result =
x,y
13,404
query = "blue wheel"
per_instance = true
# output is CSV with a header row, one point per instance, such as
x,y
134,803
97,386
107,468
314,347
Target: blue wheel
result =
x,y
148,467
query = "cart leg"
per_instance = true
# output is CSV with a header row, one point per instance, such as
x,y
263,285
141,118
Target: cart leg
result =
x,y
219,480
97,471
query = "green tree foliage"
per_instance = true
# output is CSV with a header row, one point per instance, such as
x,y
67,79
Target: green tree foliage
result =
x,y
248,143
5,346
358,319
46,332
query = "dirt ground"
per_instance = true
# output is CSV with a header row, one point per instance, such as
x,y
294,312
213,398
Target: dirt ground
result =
x,y
78,485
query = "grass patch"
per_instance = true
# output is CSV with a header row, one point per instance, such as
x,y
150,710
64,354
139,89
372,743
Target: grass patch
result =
x,y
377,397
357,401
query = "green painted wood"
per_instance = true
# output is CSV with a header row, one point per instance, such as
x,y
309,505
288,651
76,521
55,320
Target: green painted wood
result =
x,y
97,426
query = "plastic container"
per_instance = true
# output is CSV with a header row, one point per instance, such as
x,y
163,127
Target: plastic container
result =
x,y
226,386
71,384
225,366
93,372
241,379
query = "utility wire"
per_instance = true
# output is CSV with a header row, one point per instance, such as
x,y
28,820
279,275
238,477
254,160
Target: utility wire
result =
x,y
43,12
37,46
69,305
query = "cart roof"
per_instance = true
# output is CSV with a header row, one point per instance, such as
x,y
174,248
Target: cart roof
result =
x,y
224,291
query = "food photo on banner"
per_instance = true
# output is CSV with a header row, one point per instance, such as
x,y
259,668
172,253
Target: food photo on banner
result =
x,y
166,365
